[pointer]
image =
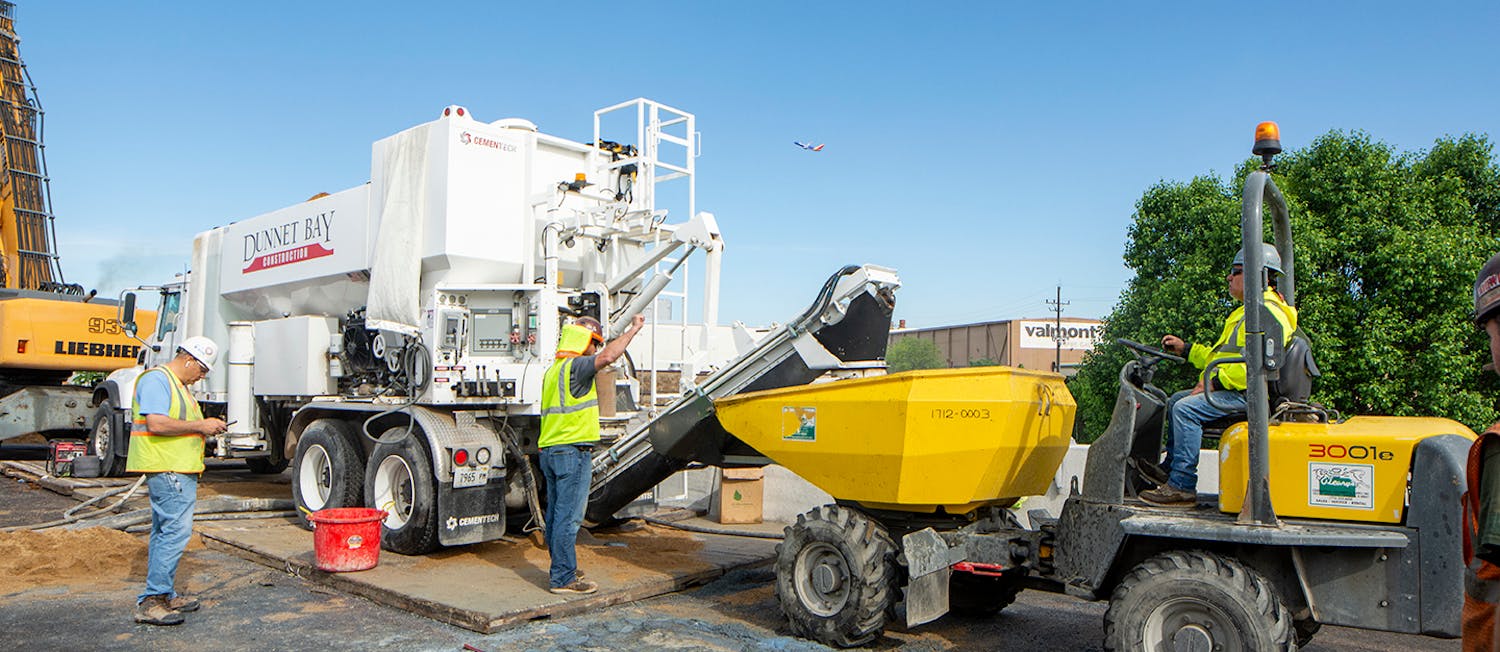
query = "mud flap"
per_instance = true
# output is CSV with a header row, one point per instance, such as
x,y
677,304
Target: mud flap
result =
x,y
472,514
928,564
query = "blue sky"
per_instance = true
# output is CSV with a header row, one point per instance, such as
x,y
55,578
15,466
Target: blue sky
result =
x,y
988,151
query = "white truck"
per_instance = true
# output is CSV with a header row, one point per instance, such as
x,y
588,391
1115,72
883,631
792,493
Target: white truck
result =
x,y
389,340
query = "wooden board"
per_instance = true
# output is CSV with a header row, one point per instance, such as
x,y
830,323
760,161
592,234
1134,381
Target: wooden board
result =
x,y
487,587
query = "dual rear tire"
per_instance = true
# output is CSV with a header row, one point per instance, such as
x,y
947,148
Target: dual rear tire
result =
x,y
331,470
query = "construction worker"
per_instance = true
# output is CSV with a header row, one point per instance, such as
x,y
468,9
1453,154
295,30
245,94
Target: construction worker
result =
x,y
570,429
166,444
1482,500
1187,411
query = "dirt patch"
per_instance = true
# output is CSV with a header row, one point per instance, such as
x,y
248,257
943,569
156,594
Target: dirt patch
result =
x,y
78,559
66,557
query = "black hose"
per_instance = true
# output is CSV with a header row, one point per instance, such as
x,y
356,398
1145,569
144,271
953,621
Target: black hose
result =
x,y
514,449
825,296
709,530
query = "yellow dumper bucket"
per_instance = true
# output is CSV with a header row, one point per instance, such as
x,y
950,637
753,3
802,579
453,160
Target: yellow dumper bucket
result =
x,y
914,441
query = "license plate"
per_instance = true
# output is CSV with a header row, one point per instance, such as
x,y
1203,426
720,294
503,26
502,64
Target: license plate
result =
x,y
467,477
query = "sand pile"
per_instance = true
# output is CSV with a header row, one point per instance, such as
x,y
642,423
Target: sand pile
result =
x,y
64,557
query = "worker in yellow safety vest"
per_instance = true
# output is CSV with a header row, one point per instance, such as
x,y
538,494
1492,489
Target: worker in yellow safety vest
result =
x,y
1187,411
166,444
1482,500
570,429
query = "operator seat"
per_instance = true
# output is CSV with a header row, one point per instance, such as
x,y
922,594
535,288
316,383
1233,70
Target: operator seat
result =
x,y
1294,385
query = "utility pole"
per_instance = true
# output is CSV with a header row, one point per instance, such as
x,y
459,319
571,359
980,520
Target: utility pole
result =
x,y
1057,332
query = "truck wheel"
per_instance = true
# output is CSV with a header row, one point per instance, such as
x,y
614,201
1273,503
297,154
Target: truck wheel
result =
x,y
980,596
1191,599
329,470
835,576
102,440
399,480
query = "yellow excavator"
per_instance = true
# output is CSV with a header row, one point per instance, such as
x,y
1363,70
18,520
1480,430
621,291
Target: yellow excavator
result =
x,y
49,328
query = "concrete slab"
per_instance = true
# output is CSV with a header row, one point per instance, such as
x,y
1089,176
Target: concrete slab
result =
x,y
491,586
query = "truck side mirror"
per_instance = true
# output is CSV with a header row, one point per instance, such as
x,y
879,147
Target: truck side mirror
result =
x,y
127,314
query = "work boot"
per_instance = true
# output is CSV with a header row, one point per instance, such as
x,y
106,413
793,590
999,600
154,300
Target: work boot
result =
x,y
1169,496
183,603
579,587
1153,473
154,611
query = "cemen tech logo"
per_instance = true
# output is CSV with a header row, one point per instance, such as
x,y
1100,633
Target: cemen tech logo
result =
x,y
471,139
469,521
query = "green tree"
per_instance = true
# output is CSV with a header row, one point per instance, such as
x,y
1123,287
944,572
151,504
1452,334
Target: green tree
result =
x,y
984,362
1387,245
914,353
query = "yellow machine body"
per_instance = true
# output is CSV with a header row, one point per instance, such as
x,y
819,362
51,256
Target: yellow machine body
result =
x,y
1351,471
954,439
61,335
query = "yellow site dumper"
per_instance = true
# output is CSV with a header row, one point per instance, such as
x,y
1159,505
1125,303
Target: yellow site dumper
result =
x,y
949,440
1321,520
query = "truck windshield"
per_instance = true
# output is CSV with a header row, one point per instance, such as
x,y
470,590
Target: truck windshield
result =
x,y
166,318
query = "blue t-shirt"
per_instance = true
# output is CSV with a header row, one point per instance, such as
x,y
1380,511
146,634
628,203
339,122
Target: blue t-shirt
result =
x,y
154,393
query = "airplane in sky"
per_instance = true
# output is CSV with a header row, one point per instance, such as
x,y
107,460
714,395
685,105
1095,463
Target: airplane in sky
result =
x,y
809,146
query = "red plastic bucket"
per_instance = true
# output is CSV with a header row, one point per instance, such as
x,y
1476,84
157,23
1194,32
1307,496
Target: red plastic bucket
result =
x,y
346,538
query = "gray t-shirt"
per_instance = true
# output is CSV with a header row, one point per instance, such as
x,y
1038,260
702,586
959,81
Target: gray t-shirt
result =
x,y
581,376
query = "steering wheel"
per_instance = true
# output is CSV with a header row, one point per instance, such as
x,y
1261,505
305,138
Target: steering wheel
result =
x,y
1143,351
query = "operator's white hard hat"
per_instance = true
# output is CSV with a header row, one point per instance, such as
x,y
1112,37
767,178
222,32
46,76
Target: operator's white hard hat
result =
x,y
202,349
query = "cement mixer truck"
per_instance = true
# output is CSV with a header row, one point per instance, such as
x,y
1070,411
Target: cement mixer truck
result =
x,y
388,341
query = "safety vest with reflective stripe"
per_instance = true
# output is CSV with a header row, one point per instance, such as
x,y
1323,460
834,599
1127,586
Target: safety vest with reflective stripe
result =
x,y
1481,578
1231,343
153,453
565,419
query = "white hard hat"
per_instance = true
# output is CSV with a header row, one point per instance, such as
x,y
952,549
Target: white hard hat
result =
x,y
202,349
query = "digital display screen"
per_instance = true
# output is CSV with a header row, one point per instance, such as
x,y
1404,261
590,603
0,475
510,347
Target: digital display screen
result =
x,y
491,332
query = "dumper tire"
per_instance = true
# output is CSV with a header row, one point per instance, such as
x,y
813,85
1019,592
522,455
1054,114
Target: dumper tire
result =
x,y
1202,597
399,480
836,576
102,438
329,469
979,596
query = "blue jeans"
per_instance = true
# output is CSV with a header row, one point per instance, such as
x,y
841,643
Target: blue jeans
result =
x,y
567,469
1186,414
173,497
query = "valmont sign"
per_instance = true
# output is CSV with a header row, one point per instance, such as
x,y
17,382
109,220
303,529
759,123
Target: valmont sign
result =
x,y
1075,336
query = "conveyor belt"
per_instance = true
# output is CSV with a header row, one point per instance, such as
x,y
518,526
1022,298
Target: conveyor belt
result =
x,y
847,327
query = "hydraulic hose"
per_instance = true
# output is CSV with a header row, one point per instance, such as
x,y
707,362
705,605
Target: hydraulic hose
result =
x,y
204,507
70,515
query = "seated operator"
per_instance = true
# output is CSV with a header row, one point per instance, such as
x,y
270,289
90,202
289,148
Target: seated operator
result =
x,y
1188,410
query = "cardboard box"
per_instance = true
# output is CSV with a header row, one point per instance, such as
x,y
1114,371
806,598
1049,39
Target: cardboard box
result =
x,y
605,386
739,498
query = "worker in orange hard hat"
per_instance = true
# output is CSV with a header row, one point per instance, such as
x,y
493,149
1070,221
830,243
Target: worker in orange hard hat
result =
x,y
570,429
1482,500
